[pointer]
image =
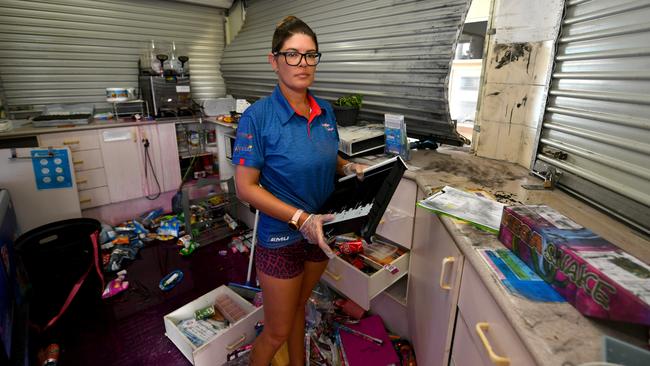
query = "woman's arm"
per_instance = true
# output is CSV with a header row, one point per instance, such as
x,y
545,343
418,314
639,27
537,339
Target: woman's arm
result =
x,y
248,189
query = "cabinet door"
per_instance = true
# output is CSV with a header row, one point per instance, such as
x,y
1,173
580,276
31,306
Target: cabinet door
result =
x,y
163,152
488,328
122,163
434,281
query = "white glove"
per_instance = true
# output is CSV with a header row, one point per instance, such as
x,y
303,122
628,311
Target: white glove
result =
x,y
312,230
354,168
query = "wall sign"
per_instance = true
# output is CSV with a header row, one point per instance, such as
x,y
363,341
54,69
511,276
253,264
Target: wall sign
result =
x,y
51,168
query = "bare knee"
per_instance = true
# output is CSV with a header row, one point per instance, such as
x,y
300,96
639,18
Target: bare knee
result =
x,y
276,337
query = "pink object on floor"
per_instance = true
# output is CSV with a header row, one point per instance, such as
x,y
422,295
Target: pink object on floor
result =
x,y
361,352
116,286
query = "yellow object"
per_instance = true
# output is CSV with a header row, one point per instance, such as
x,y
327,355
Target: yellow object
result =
x,y
442,272
496,359
281,357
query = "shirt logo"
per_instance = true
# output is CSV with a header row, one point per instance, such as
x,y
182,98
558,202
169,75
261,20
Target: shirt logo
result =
x,y
327,126
279,239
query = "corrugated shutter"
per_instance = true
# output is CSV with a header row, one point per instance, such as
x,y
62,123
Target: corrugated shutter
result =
x,y
598,110
396,53
69,51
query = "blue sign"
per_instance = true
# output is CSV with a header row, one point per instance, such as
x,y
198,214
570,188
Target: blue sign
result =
x,y
51,168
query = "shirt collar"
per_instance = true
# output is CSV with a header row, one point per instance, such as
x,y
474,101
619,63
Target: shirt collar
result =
x,y
285,111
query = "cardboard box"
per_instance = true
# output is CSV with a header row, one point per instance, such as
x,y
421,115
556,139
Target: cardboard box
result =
x,y
592,274
214,351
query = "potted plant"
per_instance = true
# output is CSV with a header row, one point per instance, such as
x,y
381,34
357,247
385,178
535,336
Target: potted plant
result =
x,y
346,109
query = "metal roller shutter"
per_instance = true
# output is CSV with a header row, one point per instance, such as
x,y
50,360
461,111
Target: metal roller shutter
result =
x,y
396,53
596,129
69,51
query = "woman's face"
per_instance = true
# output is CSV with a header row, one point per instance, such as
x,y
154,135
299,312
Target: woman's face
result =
x,y
297,77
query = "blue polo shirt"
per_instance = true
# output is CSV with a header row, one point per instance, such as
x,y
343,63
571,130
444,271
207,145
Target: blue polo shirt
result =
x,y
295,155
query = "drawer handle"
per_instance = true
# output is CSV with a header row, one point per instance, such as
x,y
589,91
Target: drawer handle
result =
x,y
82,181
236,344
77,162
445,261
496,359
334,276
74,142
85,200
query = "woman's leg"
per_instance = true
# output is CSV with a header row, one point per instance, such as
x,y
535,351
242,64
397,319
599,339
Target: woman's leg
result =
x,y
296,342
281,300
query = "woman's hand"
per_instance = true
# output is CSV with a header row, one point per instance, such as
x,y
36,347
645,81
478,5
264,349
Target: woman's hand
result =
x,y
354,168
312,230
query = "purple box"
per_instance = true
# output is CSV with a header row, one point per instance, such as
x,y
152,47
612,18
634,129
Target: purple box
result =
x,y
595,276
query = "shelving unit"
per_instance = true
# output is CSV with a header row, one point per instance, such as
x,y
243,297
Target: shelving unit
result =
x,y
215,228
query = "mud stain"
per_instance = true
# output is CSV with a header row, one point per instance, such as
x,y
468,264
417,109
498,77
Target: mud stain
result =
x,y
511,52
488,173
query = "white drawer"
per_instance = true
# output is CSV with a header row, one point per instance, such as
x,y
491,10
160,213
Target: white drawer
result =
x,y
361,287
76,140
87,159
94,197
88,179
213,352
483,315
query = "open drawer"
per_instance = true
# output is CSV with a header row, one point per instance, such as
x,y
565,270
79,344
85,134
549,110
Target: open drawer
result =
x,y
214,351
359,286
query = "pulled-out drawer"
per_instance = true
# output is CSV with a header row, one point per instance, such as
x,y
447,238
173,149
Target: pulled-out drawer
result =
x,y
361,287
75,140
94,197
88,179
213,352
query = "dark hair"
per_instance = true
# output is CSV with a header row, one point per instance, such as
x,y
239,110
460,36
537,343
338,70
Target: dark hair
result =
x,y
289,26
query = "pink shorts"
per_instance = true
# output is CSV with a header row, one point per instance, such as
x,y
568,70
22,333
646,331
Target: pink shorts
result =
x,y
287,261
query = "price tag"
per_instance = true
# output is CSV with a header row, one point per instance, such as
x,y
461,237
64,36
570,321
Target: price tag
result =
x,y
182,88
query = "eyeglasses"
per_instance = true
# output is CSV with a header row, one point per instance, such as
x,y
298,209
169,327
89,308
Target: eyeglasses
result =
x,y
294,58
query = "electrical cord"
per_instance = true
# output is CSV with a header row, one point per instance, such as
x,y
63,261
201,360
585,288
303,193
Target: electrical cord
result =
x,y
147,162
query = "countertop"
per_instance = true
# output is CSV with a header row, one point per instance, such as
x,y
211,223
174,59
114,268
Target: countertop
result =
x,y
554,334
22,128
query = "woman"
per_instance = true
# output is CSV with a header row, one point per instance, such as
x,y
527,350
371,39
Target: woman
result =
x,y
286,157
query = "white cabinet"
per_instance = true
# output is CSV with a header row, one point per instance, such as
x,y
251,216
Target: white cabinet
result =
x,y
122,163
485,327
87,162
397,222
434,282
123,150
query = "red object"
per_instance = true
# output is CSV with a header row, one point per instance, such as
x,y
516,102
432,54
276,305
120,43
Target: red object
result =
x,y
351,247
358,262
350,307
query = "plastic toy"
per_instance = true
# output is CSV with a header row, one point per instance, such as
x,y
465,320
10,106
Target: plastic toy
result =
x,y
171,280
116,286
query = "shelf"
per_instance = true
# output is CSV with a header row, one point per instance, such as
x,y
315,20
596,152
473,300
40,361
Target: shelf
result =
x,y
398,290
189,156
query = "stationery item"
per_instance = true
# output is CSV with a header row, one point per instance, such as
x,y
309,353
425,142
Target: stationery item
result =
x,y
365,336
478,211
396,138
361,352
595,276
515,276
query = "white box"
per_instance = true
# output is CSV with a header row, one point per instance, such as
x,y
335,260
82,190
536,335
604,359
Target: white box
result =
x,y
213,352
